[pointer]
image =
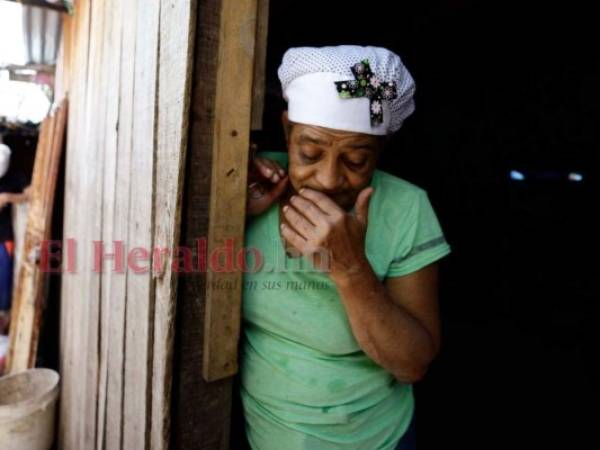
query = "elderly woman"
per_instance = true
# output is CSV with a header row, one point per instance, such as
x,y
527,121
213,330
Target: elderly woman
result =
x,y
332,346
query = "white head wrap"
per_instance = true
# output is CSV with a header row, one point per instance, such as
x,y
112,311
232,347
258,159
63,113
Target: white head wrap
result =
x,y
4,159
310,79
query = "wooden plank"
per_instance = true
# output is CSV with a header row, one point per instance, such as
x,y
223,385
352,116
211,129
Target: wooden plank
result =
x,y
64,71
110,300
23,305
228,186
118,286
20,211
177,28
91,231
140,286
260,64
72,354
190,390
128,144
28,301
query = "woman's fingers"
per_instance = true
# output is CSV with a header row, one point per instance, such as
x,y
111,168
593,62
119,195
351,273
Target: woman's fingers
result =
x,y
261,167
274,165
260,198
299,222
267,181
294,238
279,188
269,169
310,210
280,169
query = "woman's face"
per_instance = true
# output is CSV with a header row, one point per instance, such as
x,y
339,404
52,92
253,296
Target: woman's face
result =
x,y
337,163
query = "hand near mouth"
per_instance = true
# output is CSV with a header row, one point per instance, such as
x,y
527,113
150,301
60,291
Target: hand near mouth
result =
x,y
320,229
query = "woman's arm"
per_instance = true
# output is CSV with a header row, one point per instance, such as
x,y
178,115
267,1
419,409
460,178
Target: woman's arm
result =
x,y
9,197
396,323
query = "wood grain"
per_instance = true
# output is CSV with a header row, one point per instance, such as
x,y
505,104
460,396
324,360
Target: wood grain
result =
x,y
31,282
233,100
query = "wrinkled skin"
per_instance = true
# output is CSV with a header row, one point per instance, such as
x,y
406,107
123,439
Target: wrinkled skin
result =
x,y
329,174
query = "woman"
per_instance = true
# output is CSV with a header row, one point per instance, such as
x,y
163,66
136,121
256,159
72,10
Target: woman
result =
x,y
10,193
340,309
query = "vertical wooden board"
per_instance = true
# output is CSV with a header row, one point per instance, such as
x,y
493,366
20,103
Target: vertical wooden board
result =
x,y
24,287
19,224
39,223
228,185
177,25
43,154
27,302
30,287
91,185
118,286
71,352
260,64
108,301
140,293
190,389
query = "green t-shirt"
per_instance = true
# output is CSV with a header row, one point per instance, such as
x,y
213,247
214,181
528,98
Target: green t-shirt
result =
x,y
305,382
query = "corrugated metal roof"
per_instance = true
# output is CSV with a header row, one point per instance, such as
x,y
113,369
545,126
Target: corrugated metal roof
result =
x,y
42,28
58,5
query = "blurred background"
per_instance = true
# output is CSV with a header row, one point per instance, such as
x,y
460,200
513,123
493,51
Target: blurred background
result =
x,y
505,141
30,38
29,42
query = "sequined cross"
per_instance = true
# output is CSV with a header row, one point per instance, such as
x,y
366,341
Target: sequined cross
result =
x,y
366,84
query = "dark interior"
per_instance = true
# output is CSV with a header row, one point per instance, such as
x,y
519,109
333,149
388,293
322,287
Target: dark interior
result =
x,y
501,86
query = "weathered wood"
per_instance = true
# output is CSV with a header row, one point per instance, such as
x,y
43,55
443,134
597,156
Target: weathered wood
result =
x,y
131,131
92,177
29,292
190,391
23,307
130,79
111,299
175,68
117,289
260,64
195,401
140,286
19,224
61,87
228,186
72,354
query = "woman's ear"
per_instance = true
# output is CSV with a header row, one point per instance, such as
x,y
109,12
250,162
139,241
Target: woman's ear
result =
x,y
286,125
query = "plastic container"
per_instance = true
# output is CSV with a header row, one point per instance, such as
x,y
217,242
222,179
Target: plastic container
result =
x,y
27,409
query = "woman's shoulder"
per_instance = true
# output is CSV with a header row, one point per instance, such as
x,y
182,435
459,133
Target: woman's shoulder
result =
x,y
395,188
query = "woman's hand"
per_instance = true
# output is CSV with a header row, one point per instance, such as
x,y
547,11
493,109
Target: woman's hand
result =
x,y
266,183
5,199
319,225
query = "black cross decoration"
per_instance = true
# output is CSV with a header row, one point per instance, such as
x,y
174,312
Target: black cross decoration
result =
x,y
366,84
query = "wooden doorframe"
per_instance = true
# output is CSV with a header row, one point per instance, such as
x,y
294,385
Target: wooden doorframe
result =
x,y
227,101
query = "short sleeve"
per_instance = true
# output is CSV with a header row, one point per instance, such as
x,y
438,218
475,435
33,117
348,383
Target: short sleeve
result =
x,y
423,242
280,157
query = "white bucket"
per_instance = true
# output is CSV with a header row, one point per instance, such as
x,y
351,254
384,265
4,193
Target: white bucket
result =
x,y
27,408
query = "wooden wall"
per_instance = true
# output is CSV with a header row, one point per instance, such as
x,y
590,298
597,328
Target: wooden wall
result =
x,y
228,70
126,67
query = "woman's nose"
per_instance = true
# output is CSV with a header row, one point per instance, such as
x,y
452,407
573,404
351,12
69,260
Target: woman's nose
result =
x,y
329,177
